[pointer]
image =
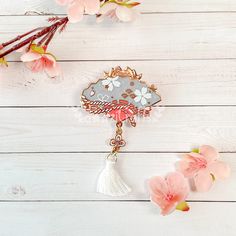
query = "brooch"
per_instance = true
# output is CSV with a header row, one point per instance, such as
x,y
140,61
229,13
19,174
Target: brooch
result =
x,y
120,95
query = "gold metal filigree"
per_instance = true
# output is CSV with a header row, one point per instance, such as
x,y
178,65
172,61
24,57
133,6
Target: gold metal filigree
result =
x,y
128,72
118,141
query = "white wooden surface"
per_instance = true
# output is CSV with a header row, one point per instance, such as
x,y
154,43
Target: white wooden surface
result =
x,y
71,129
151,37
72,176
114,218
190,82
49,154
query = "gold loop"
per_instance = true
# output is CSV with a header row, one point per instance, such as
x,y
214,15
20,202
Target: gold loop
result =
x,y
119,124
112,157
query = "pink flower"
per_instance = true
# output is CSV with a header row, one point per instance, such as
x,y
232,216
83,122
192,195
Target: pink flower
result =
x,y
169,193
38,60
77,8
118,10
203,167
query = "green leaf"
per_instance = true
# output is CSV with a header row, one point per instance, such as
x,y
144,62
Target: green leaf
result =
x,y
37,49
213,177
126,3
3,61
48,53
196,150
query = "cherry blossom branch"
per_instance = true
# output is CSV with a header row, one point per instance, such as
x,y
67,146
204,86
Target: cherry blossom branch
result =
x,y
19,37
45,34
48,32
34,43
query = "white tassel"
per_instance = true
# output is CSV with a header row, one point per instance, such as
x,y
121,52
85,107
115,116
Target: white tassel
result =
x,y
110,182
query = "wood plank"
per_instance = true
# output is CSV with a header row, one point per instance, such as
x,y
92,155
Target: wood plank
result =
x,y
73,129
164,36
115,218
49,7
73,176
206,82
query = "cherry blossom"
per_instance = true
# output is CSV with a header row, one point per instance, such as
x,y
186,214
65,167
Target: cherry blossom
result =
x,y
142,96
118,10
77,8
110,83
38,60
204,167
169,193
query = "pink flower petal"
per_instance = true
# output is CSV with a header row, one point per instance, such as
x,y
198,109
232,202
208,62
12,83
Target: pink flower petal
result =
x,y
91,6
169,192
107,8
63,2
203,181
188,166
220,170
183,167
168,208
53,71
100,18
177,185
75,12
196,155
158,186
49,60
30,56
209,153
50,65
125,14
35,66
165,206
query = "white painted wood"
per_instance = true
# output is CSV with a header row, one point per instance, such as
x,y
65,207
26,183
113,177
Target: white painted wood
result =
x,y
206,82
49,6
73,176
163,36
114,218
71,129
167,49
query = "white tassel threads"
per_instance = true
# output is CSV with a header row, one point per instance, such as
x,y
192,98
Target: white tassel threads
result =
x,y
109,181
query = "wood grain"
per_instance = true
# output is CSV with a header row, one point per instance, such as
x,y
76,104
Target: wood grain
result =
x,y
71,129
152,37
73,176
49,7
114,218
54,154
206,82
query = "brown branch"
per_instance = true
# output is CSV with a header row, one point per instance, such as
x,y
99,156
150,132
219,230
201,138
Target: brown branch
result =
x,y
19,37
46,37
44,31
50,36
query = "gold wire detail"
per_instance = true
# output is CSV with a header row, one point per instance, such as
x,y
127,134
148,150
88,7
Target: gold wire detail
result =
x,y
117,142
